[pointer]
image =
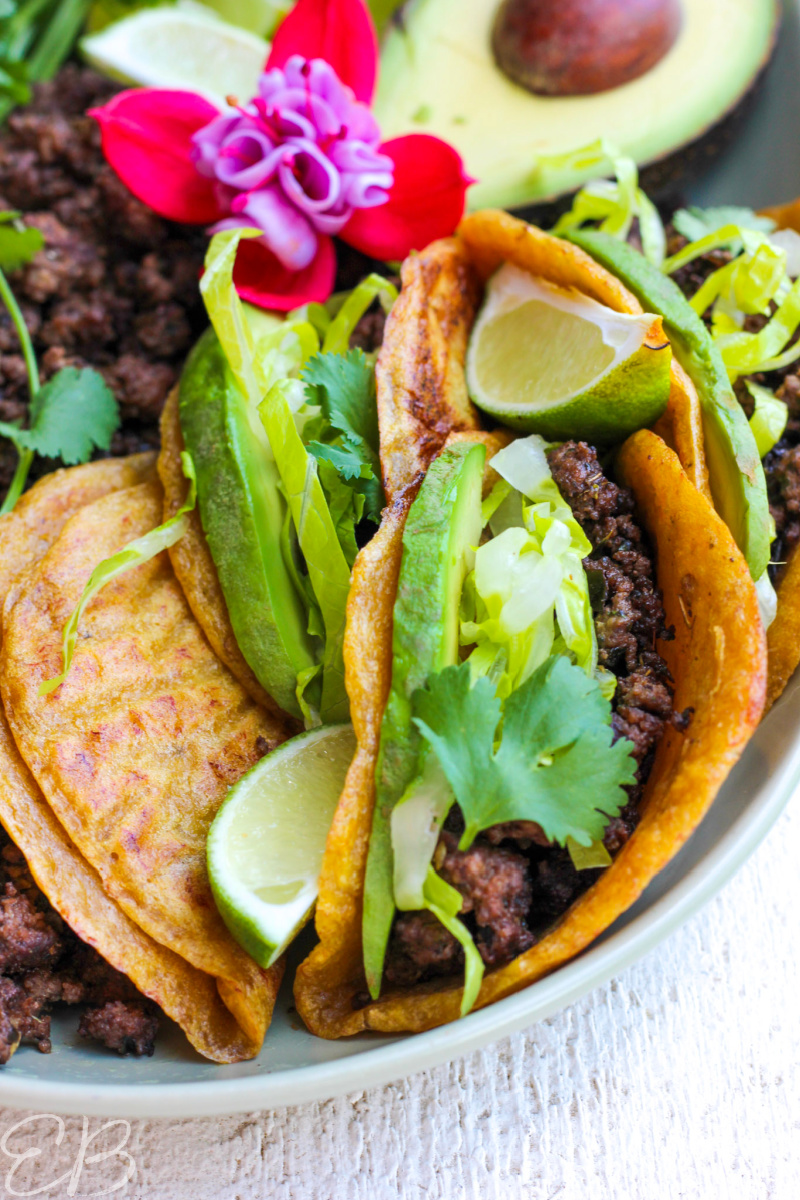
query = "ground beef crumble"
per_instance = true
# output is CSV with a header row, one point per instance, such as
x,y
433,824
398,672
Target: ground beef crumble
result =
x,y
43,963
514,884
115,286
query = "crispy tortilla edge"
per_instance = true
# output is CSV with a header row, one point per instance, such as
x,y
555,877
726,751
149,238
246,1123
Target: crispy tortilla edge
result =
x,y
329,985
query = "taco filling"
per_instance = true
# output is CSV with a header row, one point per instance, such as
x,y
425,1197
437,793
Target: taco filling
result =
x,y
514,880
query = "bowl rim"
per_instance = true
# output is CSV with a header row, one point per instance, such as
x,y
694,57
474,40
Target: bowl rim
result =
x,y
405,1056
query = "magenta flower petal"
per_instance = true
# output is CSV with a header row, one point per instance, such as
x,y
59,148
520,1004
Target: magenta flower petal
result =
x,y
147,138
426,201
339,31
287,232
262,280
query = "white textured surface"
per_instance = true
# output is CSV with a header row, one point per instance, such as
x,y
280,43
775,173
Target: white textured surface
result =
x,y
680,1079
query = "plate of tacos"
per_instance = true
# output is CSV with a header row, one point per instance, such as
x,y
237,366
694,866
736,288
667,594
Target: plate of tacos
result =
x,y
393,648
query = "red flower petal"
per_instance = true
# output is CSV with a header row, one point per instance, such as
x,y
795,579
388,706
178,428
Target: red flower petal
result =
x,y
341,32
146,136
426,201
262,280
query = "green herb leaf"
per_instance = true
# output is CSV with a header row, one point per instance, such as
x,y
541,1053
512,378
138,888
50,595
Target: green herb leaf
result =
x,y
72,415
555,765
343,386
18,246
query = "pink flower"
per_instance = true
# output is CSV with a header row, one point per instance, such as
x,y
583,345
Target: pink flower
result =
x,y
301,161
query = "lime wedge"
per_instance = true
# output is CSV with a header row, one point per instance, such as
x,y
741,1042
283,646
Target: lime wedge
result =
x,y
177,47
556,362
266,844
259,16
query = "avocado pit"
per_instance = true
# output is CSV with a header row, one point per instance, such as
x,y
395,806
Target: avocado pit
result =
x,y
581,47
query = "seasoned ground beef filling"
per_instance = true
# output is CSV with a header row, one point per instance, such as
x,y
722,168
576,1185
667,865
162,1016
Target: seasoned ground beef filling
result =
x,y
42,963
513,883
782,464
115,286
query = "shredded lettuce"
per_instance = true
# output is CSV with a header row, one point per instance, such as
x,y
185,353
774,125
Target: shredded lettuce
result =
x,y
767,600
757,278
445,902
528,587
748,353
133,555
328,569
748,284
769,417
694,223
416,822
339,331
614,204
227,315
588,858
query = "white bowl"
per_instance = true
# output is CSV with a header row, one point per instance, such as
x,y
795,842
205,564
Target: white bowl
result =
x,y
762,167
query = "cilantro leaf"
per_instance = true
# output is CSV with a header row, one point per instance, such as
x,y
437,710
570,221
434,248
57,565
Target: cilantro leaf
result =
x,y
18,245
71,415
555,765
343,386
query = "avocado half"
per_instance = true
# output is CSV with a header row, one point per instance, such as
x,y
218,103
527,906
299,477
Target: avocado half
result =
x,y
438,75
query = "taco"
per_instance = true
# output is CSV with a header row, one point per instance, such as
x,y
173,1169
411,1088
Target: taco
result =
x,y
71,872
535,741
725,280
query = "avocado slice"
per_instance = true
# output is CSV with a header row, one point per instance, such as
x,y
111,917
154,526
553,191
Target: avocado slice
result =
x,y
735,472
438,74
442,530
243,512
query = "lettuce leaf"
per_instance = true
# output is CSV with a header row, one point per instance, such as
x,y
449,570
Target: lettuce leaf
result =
x,y
748,284
556,738
612,205
133,555
769,417
695,223
748,353
528,584
328,569
339,331
227,314
445,902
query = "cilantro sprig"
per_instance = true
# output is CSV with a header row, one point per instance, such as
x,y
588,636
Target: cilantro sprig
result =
x,y
555,763
74,413
343,386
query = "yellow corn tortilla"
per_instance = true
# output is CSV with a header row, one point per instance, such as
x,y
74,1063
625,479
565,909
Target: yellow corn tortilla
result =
x,y
718,661
136,750
783,635
188,996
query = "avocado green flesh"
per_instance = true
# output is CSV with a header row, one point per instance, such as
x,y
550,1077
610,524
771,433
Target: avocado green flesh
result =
x,y
242,512
735,472
438,75
442,528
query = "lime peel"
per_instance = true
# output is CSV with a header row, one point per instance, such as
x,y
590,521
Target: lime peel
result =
x,y
216,58
557,362
266,843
